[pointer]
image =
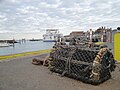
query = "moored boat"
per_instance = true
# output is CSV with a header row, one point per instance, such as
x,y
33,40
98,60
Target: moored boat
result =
x,y
4,44
52,35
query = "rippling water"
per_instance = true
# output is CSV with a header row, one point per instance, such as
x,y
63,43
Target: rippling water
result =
x,y
26,47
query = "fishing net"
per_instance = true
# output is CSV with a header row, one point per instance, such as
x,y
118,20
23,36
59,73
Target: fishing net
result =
x,y
87,65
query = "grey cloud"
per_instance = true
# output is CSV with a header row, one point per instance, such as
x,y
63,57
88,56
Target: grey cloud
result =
x,y
33,16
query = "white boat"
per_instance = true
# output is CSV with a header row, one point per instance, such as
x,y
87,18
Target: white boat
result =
x,y
52,35
4,44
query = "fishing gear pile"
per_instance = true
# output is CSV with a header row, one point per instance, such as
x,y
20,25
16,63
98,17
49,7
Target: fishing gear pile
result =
x,y
85,62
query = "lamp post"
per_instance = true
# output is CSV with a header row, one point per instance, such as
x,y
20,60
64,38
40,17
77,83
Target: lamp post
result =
x,y
91,35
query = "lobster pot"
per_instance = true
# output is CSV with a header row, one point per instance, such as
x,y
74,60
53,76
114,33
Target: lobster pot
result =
x,y
82,64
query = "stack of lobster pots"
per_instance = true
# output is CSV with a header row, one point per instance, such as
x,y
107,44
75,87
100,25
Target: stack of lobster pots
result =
x,y
88,63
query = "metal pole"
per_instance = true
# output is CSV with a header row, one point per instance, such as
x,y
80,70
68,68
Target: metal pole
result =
x,y
91,35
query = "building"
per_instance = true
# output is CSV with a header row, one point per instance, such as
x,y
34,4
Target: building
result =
x,y
103,34
77,34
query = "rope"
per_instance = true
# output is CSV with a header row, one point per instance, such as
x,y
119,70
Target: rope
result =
x,y
67,65
95,73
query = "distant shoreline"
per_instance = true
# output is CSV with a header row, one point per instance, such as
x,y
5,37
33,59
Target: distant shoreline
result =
x,y
4,57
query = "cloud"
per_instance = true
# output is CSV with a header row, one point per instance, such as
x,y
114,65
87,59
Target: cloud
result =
x,y
28,16
26,9
2,17
13,1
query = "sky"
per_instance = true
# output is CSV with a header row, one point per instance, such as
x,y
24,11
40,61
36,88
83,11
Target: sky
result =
x,y
30,18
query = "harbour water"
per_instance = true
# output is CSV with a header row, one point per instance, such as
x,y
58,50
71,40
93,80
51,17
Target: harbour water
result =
x,y
28,46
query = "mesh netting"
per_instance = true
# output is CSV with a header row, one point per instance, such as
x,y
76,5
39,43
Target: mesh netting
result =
x,y
90,66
